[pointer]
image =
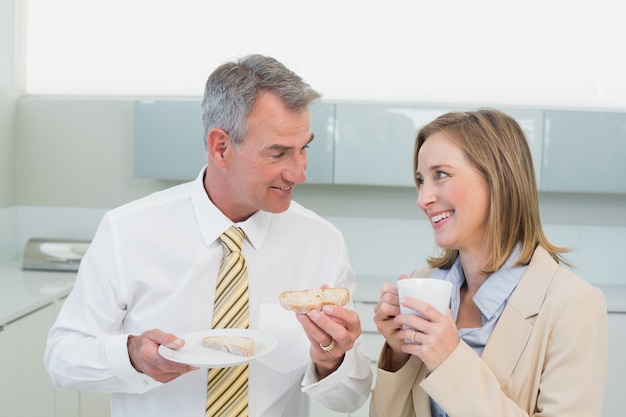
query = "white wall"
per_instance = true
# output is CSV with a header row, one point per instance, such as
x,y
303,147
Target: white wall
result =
x,y
7,101
597,249
8,95
72,156
535,52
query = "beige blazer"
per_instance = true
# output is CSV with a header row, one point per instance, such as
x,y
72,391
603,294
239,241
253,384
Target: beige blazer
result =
x,y
547,356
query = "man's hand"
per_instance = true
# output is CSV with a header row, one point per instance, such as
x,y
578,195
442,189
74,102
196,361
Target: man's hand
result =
x,y
335,328
143,355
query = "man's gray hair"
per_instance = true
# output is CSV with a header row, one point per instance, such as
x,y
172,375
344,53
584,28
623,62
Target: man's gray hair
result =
x,y
233,88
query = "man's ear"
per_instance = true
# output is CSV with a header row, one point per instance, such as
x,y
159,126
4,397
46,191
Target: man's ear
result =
x,y
218,142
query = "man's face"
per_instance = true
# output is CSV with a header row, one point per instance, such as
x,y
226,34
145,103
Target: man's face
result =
x,y
264,170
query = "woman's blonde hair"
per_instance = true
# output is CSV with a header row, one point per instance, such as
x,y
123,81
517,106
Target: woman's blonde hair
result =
x,y
495,145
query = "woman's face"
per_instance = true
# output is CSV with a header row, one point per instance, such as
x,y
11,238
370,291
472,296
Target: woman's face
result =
x,y
453,194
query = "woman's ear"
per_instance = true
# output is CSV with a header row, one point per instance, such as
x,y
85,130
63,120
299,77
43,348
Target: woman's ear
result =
x,y
218,142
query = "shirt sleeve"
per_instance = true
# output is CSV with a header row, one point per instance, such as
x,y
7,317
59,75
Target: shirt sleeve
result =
x,y
347,388
393,395
86,348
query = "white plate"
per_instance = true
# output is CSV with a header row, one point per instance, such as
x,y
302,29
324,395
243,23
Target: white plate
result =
x,y
195,354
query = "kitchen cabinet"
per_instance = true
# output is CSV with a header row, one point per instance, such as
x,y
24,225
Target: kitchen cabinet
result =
x,y
615,400
374,143
9,371
532,123
29,304
320,154
34,379
584,151
25,388
168,139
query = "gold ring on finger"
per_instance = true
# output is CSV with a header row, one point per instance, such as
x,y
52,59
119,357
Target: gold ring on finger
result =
x,y
329,347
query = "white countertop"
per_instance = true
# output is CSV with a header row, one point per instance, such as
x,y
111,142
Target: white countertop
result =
x,y
22,292
368,291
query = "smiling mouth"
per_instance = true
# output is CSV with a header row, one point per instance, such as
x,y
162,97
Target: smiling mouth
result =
x,y
439,217
284,188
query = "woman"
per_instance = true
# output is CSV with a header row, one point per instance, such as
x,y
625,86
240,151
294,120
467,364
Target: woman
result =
x,y
524,336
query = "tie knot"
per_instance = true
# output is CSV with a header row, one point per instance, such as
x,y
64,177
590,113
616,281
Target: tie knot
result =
x,y
232,239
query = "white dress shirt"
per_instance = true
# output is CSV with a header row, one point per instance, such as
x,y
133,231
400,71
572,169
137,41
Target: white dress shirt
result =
x,y
153,263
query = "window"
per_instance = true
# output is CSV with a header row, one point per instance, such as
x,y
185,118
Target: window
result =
x,y
488,52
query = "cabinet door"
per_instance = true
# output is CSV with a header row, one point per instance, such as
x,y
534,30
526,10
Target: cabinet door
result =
x,y
9,371
36,389
584,152
321,150
374,143
169,139
615,400
532,122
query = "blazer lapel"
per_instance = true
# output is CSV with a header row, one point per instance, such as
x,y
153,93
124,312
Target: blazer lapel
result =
x,y
515,325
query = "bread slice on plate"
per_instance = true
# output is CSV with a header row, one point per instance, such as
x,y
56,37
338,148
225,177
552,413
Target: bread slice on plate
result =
x,y
237,345
305,301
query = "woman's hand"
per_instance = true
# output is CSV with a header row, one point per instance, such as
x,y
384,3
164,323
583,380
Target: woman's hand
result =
x,y
387,309
435,335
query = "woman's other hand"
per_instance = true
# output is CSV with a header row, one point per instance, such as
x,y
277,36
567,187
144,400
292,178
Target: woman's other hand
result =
x,y
435,335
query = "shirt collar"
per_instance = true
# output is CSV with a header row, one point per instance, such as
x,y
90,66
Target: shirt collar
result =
x,y
494,292
212,222
497,289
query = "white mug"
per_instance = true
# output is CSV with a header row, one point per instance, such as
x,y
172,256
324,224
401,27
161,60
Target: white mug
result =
x,y
435,292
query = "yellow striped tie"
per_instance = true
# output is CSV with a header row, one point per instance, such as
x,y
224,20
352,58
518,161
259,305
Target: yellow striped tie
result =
x,y
227,388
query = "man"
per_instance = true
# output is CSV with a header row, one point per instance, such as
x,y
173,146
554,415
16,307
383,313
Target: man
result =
x,y
149,276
